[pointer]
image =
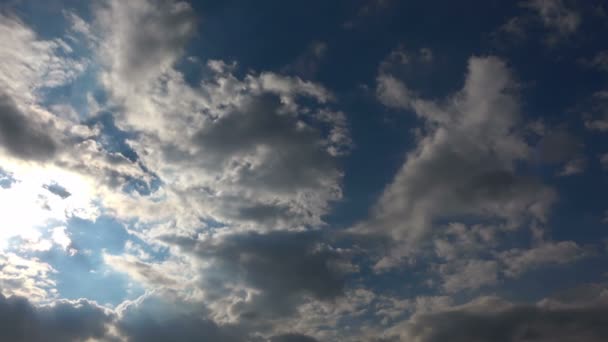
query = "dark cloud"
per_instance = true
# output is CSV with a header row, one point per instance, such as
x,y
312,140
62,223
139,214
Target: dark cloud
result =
x,y
64,321
20,136
292,338
57,190
150,328
513,324
284,266
296,160
464,164
160,319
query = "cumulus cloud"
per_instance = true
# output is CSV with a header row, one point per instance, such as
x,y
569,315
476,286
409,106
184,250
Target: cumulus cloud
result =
x,y
142,39
292,338
62,321
21,136
164,318
493,319
464,163
518,261
277,270
245,152
30,64
26,277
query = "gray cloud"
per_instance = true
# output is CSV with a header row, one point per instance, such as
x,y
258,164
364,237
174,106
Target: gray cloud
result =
x,y
20,136
464,161
285,267
559,145
20,321
57,190
145,37
296,162
504,322
145,327
292,338
243,152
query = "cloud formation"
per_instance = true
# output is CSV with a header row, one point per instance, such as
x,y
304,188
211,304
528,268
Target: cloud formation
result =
x,y
62,321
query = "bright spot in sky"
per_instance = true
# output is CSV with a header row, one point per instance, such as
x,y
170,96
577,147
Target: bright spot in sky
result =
x,y
28,206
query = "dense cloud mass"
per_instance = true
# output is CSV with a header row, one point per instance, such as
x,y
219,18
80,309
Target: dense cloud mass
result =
x,y
491,319
280,268
174,170
21,137
62,321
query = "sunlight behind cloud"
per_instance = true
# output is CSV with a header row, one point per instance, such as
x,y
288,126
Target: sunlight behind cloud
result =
x,y
30,204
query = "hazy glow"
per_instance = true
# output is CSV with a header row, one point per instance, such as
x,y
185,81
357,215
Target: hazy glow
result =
x,y
28,206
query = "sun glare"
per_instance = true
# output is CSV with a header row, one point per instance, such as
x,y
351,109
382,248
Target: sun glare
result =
x,y
30,208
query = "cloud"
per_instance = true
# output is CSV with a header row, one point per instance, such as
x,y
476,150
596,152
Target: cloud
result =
x,y
518,261
142,39
599,61
30,278
493,319
555,15
30,64
292,338
393,93
20,135
468,275
464,161
155,319
279,269
559,21
62,321
244,152
308,63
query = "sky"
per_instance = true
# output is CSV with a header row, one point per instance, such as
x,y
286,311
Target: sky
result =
x,y
304,171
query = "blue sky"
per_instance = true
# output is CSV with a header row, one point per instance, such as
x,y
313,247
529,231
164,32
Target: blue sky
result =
x,y
360,171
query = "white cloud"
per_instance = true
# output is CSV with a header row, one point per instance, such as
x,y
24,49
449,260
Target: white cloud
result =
x,y
30,278
30,64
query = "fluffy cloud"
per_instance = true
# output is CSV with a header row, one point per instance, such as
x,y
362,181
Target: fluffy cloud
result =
x,y
266,275
21,136
292,338
464,169
62,321
464,165
518,261
30,64
242,152
164,317
493,319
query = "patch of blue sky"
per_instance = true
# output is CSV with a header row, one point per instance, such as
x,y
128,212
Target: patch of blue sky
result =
x,y
113,139
6,179
83,275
